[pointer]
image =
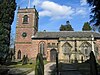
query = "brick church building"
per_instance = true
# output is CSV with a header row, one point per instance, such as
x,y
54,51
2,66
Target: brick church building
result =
x,y
70,45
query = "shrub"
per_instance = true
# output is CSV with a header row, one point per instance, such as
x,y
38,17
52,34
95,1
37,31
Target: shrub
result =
x,y
39,67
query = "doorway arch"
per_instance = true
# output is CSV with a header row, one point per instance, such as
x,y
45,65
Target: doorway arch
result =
x,y
53,55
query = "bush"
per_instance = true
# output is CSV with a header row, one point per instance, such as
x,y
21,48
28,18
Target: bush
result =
x,y
39,67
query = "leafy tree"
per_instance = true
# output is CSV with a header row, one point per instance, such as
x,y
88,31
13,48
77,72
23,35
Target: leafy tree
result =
x,y
66,27
95,17
86,27
7,8
62,28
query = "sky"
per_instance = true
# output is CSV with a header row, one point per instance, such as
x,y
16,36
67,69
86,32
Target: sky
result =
x,y
53,13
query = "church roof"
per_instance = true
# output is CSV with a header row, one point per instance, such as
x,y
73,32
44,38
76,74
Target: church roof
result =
x,y
64,34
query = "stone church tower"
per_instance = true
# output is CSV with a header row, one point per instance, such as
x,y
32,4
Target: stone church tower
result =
x,y
27,26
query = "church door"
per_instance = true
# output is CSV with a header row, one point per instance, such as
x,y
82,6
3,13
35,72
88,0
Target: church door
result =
x,y
53,55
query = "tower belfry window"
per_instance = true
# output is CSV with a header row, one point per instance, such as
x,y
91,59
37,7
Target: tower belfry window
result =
x,y
25,19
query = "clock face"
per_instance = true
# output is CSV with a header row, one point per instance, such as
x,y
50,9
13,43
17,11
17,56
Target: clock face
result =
x,y
24,34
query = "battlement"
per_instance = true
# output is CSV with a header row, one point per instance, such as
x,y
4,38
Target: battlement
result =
x,y
27,10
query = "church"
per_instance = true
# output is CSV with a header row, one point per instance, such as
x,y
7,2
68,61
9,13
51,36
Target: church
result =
x,y
70,45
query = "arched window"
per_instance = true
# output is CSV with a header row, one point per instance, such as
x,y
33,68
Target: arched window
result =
x,y
86,48
19,55
42,48
66,48
25,19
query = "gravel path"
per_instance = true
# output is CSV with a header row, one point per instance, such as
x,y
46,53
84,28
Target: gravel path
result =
x,y
32,73
47,69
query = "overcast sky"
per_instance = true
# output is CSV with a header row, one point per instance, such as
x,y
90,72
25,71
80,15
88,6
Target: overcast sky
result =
x,y
53,13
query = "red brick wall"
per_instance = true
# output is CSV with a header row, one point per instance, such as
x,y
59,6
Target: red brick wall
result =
x,y
24,44
19,32
35,47
25,49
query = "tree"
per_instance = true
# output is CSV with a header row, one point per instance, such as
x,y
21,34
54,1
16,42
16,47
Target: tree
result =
x,y
62,28
66,27
86,27
7,8
93,64
39,67
95,17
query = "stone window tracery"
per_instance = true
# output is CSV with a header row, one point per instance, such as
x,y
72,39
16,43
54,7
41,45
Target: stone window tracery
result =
x,y
66,48
86,48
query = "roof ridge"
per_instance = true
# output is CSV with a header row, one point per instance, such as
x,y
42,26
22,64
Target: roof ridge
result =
x,y
66,34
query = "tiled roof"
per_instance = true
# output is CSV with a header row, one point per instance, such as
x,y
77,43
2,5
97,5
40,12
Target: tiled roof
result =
x,y
77,34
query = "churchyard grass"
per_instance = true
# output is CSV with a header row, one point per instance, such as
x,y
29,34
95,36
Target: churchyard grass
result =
x,y
27,68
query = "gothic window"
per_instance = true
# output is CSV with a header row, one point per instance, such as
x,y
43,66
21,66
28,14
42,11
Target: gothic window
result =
x,y
19,55
25,19
42,48
86,48
66,48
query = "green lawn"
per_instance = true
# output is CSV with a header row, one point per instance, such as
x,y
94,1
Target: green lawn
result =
x,y
23,66
32,65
